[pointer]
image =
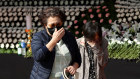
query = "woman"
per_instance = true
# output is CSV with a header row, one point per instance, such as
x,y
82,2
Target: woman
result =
x,y
94,52
54,48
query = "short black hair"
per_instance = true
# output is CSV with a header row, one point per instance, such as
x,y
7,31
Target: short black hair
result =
x,y
51,12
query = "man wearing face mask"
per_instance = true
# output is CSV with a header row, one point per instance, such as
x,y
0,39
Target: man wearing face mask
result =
x,y
54,48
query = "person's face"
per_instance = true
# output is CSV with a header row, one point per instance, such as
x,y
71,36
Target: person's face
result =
x,y
89,40
54,22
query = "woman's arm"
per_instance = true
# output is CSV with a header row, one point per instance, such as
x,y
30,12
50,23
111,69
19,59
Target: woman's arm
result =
x,y
41,51
76,52
72,69
76,63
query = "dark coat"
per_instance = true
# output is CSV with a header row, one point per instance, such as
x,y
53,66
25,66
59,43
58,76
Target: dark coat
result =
x,y
44,59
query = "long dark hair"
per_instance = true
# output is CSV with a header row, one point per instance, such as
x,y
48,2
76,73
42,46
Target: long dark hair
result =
x,y
92,32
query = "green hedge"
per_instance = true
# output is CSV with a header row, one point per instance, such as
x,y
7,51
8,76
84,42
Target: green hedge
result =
x,y
123,51
14,51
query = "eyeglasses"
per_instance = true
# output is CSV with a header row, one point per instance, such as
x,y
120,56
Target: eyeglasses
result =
x,y
55,25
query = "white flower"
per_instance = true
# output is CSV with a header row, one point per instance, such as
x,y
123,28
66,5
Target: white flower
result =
x,y
35,14
33,24
12,46
138,35
1,17
21,18
36,18
130,42
118,15
11,18
9,9
39,24
2,45
6,19
119,20
127,14
129,19
7,45
135,17
23,23
122,10
124,19
5,14
138,42
12,24
136,9
109,33
19,13
17,24
115,6
15,19
134,27
125,25
34,9
119,39
114,35
115,27
125,39
118,10
19,9
113,41
17,45
131,10
7,24
122,15
132,14
119,42
126,10
122,42
139,16
137,13
135,40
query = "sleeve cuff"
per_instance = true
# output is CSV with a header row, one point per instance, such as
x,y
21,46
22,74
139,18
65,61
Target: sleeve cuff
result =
x,y
45,49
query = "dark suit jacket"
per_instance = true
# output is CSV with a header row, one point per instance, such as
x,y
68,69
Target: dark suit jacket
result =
x,y
44,59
